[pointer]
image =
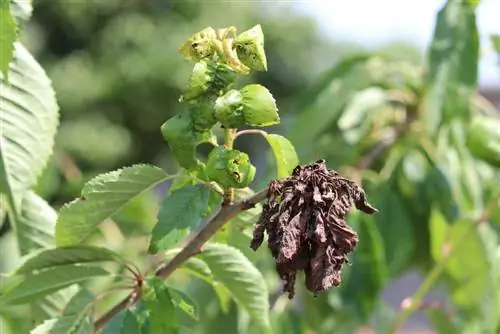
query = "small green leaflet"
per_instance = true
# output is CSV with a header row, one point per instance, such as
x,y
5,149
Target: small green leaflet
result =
x,y
46,282
245,282
453,69
102,197
180,211
284,153
162,314
46,258
8,35
73,318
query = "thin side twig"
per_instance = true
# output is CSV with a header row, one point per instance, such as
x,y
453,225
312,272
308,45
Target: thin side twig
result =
x,y
193,247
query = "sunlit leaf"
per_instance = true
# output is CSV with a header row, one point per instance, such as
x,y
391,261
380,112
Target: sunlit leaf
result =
x,y
34,224
284,153
48,281
29,116
180,211
162,315
54,257
8,35
453,64
102,197
483,139
73,318
242,279
468,267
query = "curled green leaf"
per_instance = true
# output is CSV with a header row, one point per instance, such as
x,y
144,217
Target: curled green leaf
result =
x,y
182,138
250,48
200,45
253,105
230,168
228,109
208,78
259,106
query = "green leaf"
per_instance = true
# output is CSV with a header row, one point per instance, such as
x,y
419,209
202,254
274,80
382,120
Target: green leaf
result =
x,y
102,197
21,10
284,152
245,282
337,71
8,35
439,229
34,225
163,318
48,281
356,119
73,317
124,323
441,321
495,42
180,211
335,89
483,139
46,258
63,324
29,116
468,267
395,227
368,272
453,64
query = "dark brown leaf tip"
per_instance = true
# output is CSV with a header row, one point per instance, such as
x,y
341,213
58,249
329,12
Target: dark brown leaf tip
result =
x,y
304,218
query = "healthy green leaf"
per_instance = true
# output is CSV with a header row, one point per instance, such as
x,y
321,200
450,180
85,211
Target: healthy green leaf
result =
x,y
34,225
8,35
441,321
124,323
29,116
46,258
102,197
157,298
49,281
438,231
395,228
334,90
357,117
21,10
180,211
73,317
246,284
468,267
284,152
483,139
368,272
453,64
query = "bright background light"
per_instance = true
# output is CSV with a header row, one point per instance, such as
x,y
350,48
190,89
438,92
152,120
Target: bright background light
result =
x,y
373,23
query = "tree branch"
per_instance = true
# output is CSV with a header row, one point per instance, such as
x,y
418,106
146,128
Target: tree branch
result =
x,y
192,247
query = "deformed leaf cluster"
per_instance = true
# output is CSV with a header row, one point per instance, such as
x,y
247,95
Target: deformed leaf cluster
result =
x,y
305,221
